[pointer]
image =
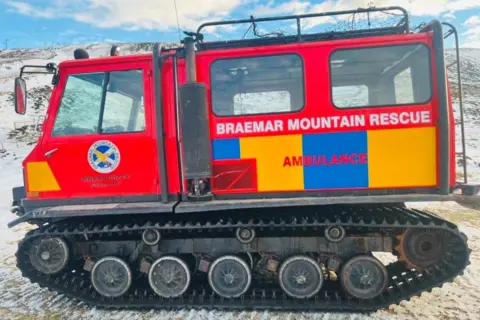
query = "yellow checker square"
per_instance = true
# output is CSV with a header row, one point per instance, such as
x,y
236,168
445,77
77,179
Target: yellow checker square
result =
x,y
270,152
402,158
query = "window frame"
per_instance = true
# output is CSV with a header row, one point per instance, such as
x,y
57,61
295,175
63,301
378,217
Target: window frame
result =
x,y
102,101
304,96
430,74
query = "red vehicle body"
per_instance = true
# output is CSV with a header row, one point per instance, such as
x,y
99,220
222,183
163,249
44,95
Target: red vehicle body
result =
x,y
412,163
306,146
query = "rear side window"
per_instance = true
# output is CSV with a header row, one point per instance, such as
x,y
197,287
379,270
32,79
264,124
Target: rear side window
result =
x,y
257,85
380,76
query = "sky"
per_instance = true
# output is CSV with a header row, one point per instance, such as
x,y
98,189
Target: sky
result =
x,y
44,23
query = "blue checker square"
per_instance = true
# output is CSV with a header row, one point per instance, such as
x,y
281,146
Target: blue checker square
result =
x,y
225,149
335,160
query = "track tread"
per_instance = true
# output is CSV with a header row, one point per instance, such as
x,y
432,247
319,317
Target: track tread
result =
x,y
379,218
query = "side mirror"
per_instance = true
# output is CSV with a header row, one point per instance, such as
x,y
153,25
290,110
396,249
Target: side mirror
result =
x,y
20,96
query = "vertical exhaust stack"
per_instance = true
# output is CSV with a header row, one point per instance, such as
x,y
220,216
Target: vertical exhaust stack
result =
x,y
197,154
191,66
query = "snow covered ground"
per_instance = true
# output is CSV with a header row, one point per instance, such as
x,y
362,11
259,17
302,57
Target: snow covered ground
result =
x,y
21,300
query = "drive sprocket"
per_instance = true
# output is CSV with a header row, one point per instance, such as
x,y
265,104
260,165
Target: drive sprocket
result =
x,y
421,248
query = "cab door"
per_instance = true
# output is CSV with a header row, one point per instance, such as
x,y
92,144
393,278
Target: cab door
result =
x,y
99,139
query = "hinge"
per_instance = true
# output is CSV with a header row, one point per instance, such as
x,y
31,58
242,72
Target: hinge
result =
x,y
149,72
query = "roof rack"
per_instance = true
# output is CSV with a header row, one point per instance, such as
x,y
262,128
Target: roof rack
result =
x,y
347,24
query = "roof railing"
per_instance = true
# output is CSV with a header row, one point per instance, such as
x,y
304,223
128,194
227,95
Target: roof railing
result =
x,y
361,22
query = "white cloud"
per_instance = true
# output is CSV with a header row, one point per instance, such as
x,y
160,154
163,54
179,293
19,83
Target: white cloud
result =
x,y
430,8
473,31
292,7
133,14
26,9
449,15
461,5
159,15
472,39
472,35
472,21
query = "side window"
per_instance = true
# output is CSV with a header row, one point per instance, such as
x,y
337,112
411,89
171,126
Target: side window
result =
x,y
83,111
257,85
124,103
380,76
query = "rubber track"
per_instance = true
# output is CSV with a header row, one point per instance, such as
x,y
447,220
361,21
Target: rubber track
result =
x,y
404,283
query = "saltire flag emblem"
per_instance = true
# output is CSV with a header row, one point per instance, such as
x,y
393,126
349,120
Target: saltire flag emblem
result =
x,y
104,156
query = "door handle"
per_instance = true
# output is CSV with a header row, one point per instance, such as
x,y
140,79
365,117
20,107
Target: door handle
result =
x,y
49,153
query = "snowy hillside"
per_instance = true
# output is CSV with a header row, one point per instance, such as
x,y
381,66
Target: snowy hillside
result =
x,y
19,299
470,70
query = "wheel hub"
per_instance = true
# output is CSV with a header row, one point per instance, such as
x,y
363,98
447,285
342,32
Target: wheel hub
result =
x,y
45,255
170,274
229,278
246,233
110,278
366,279
335,232
169,278
301,279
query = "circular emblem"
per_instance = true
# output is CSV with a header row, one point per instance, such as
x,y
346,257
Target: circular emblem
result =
x,y
103,156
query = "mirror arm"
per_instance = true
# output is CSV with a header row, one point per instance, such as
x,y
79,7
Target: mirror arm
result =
x,y
49,67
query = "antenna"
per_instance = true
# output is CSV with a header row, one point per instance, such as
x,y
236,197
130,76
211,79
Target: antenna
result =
x,y
178,23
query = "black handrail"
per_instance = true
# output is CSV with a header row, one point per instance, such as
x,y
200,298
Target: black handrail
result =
x,y
453,31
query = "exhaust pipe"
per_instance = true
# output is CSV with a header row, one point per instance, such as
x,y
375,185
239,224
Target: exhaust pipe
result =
x,y
190,59
197,163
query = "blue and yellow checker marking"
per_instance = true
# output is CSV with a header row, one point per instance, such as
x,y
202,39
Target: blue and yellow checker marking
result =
x,y
395,158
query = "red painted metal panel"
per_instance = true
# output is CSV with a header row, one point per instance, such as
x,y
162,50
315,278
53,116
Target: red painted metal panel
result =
x,y
137,172
317,92
234,176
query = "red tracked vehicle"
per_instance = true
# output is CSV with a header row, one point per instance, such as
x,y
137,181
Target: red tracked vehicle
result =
x,y
251,173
